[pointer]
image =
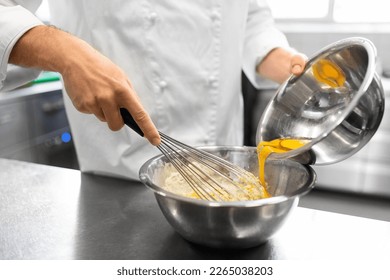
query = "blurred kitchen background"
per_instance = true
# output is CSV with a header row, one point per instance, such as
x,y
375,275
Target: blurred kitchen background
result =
x,y
34,127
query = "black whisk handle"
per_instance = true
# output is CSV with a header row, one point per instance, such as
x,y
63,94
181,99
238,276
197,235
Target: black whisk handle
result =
x,y
130,122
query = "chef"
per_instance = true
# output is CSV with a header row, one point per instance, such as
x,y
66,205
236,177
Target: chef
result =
x,y
175,65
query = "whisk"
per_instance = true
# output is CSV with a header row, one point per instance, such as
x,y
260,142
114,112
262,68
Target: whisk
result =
x,y
210,177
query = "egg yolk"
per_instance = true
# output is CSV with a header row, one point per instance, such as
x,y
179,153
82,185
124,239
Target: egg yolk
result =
x,y
265,148
327,72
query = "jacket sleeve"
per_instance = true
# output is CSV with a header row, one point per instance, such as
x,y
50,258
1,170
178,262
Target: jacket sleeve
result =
x,y
15,20
261,37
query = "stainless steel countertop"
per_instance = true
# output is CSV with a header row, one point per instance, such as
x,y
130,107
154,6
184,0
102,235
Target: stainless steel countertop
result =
x,y
56,213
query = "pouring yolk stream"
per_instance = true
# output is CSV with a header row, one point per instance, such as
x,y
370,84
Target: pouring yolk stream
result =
x,y
265,148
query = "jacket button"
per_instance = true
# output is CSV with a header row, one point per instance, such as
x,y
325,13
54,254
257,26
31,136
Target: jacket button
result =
x,y
215,15
152,17
213,80
163,84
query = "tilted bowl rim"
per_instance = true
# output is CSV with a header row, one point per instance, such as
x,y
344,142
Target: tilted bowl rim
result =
x,y
147,181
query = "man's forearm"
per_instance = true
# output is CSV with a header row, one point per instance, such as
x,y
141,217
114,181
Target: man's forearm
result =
x,y
94,84
276,65
47,48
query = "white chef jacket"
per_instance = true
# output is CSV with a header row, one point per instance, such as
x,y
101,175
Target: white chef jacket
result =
x,y
184,59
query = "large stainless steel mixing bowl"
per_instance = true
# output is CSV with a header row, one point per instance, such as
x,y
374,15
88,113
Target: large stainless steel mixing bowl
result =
x,y
340,120
240,224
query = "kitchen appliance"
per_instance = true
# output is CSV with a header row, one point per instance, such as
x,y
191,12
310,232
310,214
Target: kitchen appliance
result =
x,y
34,126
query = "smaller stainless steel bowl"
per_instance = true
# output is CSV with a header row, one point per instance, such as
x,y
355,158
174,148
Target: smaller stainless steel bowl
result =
x,y
339,121
240,224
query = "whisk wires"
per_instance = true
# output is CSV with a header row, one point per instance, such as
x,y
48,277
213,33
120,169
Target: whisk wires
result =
x,y
209,176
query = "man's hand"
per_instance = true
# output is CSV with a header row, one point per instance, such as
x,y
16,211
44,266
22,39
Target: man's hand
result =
x,y
297,63
94,83
279,64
